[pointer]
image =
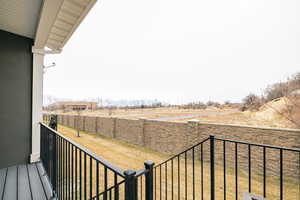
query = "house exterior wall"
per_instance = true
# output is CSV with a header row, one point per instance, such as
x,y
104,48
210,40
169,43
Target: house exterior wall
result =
x,y
16,97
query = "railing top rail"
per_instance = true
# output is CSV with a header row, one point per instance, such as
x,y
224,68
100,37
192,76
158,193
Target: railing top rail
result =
x,y
107,164
141,172
259,145
178,154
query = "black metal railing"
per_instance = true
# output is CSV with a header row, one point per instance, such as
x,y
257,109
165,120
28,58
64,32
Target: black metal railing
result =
x,y
77,173
226,169
273,172
212,169
182,175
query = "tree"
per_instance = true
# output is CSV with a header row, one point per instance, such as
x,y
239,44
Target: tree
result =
x,y
251,102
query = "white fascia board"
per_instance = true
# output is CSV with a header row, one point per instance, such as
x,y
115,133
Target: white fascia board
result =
x,y
44,51
49,12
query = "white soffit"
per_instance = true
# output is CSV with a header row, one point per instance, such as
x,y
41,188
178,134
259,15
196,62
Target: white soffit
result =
x,y
20,16
59,20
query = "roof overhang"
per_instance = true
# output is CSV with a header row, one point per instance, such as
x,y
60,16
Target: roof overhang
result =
x,y
50,23
58,21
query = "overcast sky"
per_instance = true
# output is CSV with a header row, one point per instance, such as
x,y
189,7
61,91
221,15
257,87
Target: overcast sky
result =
x,y
178,51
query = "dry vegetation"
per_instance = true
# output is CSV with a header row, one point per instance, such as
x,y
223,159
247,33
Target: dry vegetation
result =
x,y
148,113
128,156
265,116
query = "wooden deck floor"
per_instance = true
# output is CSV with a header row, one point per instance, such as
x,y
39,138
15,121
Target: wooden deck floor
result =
x,y
25,182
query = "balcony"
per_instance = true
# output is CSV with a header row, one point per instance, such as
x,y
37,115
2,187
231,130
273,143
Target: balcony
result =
x,y
61,169
203,171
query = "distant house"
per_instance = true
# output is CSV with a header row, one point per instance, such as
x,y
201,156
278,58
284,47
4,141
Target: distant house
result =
x,y
72,105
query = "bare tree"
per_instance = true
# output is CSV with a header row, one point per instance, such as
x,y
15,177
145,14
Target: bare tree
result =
x,y
251,102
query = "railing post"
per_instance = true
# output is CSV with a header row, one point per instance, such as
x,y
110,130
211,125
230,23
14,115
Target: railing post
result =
x,y
149,180
130,185
212,167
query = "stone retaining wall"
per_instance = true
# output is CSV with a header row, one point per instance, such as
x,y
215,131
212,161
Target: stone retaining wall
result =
x,y
173,137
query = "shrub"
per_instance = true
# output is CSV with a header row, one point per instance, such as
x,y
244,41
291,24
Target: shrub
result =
x,y
251,102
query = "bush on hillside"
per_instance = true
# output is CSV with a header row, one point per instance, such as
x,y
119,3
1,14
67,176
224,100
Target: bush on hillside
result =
x,y
251,102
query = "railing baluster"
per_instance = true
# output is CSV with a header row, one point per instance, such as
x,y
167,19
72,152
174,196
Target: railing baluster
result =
x,y
80,174
61,169
65,169
76,163
72,172
224,168
193,160
105,183
212,167
141,184
172,177
264,171
201,165
178,176
185,174
160,187
85,178
166,181
69,170
58,168
236,172
97,179
155,183
91,178
249,168
117,186
55,164
281,174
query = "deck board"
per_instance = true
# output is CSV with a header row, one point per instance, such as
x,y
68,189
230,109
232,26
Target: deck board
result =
x,y
10,189
45,181
2,181
25,182
24,192
37,189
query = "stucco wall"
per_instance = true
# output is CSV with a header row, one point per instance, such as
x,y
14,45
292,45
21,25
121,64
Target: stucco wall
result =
x,y
16,98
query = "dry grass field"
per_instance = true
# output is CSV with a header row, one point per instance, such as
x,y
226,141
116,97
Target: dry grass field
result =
x,y
174,114
244,118
128,156
148,113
